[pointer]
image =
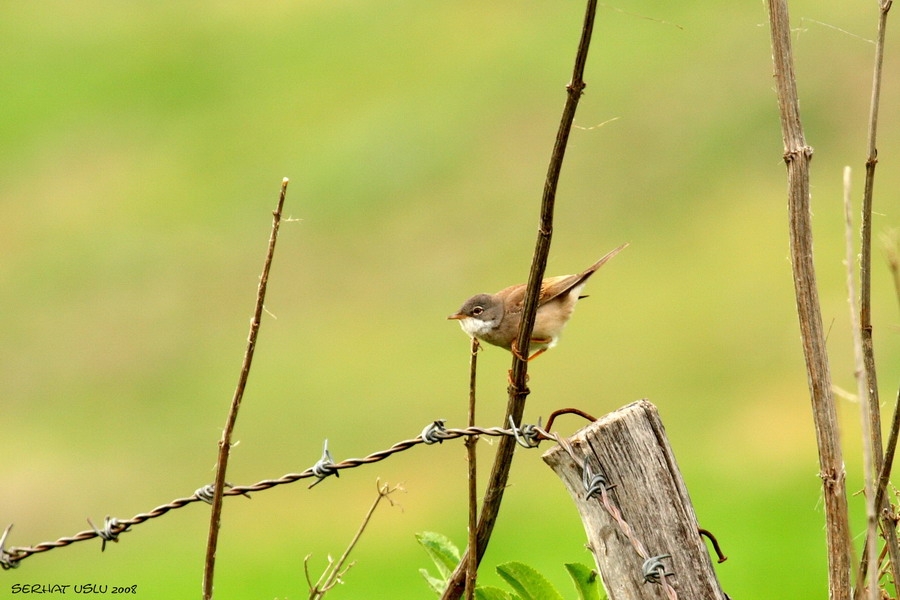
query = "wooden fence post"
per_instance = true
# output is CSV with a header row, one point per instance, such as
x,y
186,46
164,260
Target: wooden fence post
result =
x,y
640,524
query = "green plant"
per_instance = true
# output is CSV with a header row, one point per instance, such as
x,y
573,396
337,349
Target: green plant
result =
x,y
525,581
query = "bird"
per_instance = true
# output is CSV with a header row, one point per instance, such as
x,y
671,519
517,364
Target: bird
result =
x,y
495,318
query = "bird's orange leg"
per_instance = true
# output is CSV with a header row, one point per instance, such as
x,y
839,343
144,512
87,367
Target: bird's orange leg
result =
x,y
536,354
515,349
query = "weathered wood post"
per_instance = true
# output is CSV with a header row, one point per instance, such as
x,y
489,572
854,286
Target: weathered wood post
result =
x,y
640,524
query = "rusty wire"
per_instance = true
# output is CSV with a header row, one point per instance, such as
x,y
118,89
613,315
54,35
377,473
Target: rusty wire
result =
x,y
527,436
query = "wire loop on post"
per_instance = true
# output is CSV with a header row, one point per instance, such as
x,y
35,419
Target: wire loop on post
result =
x,y
654,570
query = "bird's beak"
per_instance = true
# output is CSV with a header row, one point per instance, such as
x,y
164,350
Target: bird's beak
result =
x,y
456,317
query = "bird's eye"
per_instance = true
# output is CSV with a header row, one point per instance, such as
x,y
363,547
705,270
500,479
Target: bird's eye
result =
x,y
477,310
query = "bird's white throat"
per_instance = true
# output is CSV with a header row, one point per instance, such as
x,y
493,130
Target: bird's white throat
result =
x,y
475,327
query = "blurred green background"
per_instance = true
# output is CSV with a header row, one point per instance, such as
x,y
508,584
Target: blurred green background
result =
x,y
141,153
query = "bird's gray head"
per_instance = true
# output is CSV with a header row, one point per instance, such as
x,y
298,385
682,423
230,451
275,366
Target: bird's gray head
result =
x,y
479,314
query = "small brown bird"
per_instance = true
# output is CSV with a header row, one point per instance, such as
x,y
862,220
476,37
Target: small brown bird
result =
x,y
495,318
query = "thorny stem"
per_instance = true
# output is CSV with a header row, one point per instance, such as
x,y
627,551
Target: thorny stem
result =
x,y
518,391
225,442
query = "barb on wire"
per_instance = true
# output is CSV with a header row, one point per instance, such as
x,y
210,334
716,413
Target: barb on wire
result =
x,y
7,560
324,467
594,483
435,432
527,436
207,492
110,532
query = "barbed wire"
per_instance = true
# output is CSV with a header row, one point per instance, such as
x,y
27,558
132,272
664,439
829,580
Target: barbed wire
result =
x,y
527,436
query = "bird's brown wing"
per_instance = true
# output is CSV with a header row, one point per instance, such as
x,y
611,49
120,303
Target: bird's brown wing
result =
x,y
551,288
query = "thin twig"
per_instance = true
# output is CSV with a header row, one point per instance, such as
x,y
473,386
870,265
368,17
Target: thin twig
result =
x,y
797,155
865,262
471,443
889,241
865,303
887,518
225,442
871,162
518,390
333,573
893,258
870,551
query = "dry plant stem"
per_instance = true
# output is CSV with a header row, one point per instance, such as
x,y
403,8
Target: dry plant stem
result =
x,y
885,475
797,155
471,443
225,442
888,525
332,574
865,319
865,310
893,259
871,162
870,551
518,390
889,452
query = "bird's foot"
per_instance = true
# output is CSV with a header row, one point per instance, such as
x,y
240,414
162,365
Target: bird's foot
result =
x,y
514,348
509,377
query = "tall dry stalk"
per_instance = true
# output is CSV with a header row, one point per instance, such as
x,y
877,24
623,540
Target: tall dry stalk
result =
x,y
797,155
225,443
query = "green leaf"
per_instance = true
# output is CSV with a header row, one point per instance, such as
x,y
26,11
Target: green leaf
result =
x,y
437,584
587,583
491,593
527,582
441,550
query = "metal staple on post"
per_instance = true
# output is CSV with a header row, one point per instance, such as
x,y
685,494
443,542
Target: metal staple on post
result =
x,y
654,570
